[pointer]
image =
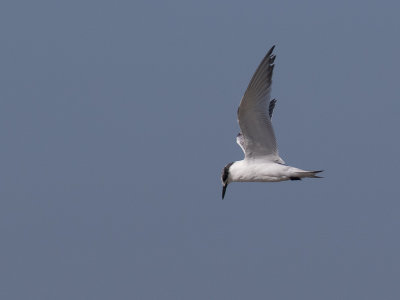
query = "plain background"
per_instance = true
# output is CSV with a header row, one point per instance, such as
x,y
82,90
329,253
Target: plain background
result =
x,y
117,117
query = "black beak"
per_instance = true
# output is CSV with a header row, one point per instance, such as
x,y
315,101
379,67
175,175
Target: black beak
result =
x,y
224,190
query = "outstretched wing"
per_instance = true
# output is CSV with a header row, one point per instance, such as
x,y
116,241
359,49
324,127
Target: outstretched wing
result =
x,y
258,138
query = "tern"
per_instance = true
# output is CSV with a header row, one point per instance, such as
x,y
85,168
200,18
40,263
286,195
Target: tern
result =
x,y
261,162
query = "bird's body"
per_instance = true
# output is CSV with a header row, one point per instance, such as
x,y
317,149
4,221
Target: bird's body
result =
x,y
262,162
259,170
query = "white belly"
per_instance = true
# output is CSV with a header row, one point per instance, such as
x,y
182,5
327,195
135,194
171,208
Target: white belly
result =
x,y
250,171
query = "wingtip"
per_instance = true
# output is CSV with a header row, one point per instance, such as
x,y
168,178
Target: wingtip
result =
x,y
270,50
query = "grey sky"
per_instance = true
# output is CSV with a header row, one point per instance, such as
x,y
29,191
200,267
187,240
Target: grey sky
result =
x,y
116,118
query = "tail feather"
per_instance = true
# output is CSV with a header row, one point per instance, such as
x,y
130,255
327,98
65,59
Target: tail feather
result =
x,y
310,174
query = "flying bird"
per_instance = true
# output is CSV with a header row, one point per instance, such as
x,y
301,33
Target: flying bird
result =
x,y
261,162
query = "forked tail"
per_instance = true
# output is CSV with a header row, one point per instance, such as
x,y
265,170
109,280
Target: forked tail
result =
x,y
299,174
310,174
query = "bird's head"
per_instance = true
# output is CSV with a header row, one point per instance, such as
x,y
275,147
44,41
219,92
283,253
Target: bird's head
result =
x,y
225,178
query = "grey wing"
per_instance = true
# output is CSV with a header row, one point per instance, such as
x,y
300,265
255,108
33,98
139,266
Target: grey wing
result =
x,y
240,138
254,111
